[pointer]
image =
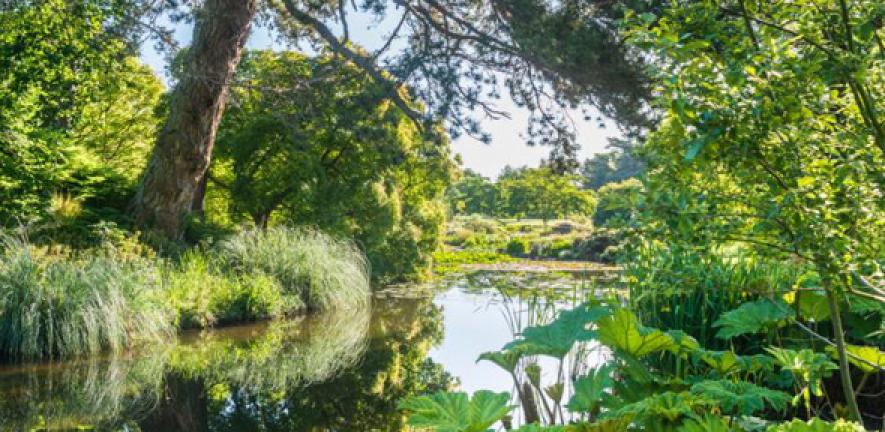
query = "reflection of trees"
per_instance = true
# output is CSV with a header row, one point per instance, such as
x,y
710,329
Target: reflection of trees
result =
x,y
334,371
97,391
361,397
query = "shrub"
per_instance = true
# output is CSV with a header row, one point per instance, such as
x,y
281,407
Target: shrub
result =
x,y
53,308
323,271
518,247
479,224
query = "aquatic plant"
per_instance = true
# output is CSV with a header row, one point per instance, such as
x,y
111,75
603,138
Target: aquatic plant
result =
x,y
324,271
52,307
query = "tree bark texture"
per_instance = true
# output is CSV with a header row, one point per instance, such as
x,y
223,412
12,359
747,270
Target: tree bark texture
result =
x,y
183,149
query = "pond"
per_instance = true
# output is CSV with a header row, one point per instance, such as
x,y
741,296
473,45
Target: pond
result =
x,y
336,372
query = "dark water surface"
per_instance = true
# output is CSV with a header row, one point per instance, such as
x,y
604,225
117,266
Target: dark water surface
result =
x,y
329,372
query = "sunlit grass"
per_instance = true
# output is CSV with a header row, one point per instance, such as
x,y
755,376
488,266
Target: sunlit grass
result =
x,y
52,308
324,271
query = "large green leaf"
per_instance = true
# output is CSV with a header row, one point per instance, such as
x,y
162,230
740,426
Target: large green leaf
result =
x,y
668,407
609,425
591,389
505,359
623,332
727,362
707,423
557,338
817,425
751,317
869,359
741,397
455,412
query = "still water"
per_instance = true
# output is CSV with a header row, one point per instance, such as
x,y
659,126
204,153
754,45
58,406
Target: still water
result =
x,y
329,372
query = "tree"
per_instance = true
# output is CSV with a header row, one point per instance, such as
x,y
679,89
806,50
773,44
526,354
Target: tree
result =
x,y
616,165
181,156
473,194
542,193
773,137
456,51
77,110
335,154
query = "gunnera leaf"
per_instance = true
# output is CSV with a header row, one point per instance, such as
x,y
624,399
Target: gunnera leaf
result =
x,y
751,317
456,412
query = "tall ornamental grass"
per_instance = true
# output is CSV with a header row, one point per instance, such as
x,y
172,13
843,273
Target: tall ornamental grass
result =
x,y
53,308
325,272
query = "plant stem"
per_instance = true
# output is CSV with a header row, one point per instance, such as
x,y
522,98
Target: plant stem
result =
x,y
844,369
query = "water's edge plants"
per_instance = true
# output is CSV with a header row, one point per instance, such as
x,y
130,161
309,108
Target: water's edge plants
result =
x,y
57,305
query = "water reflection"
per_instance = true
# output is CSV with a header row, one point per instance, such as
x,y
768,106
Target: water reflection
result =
x,y
333,372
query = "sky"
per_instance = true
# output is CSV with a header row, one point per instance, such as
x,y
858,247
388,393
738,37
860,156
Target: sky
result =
x,y
508,145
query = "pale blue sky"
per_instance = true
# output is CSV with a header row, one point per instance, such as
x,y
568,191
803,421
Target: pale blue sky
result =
x,y
507,146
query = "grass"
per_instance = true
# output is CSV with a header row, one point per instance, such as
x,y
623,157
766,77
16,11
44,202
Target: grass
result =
x,y
323,271
65,304
688,290
52,308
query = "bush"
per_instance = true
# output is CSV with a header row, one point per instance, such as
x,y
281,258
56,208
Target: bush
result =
x,y
602,245
323,271
518,247
54,308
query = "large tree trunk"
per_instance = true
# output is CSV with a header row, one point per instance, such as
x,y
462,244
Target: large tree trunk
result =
x,y
184,146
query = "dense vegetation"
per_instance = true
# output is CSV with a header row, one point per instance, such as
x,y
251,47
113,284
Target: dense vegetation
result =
x,y
744,204
753,276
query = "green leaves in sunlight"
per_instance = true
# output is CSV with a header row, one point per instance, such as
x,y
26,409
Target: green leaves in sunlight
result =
x,y
741,397
751,317
808,366
727,362
505,359
623,332
591,389
707,423
817,425
557,338
867,358
456,412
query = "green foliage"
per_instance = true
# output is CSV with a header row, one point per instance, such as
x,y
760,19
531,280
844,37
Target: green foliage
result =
x,y
868,359
618,165
751,317
455,412
522,193
55,308
817,425
337,155
617,202
623,332
451,261
741,397
677,288
590,390
325,272
203,296
809,367
77,111
557,338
